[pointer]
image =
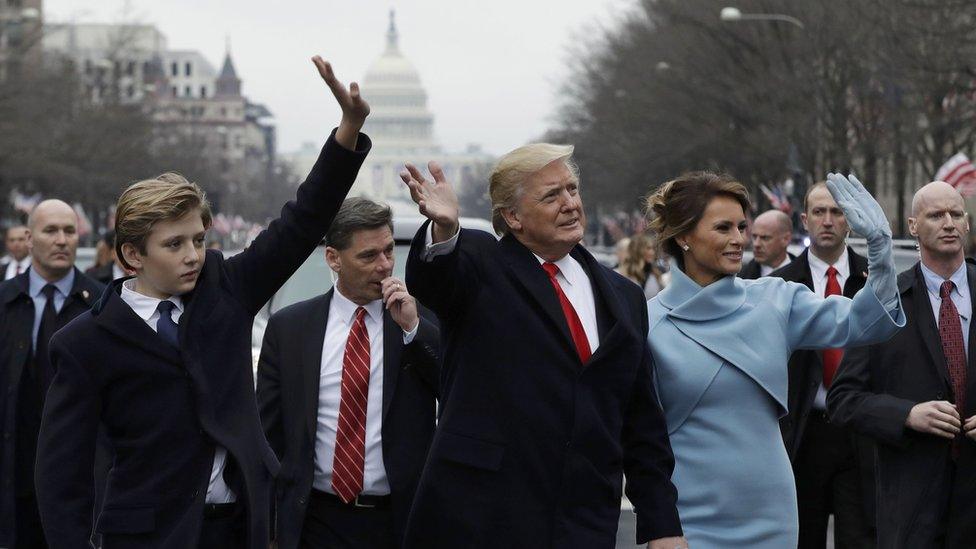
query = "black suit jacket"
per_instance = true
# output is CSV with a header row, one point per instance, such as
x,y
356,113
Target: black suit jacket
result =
x,y
288,399
806,376
875,390
16,327
752,270
164,408
531,445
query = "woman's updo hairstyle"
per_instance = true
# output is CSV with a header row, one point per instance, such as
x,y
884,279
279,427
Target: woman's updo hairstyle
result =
x,y
676,206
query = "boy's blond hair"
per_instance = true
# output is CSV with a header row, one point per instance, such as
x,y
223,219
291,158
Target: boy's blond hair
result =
x,y
166,197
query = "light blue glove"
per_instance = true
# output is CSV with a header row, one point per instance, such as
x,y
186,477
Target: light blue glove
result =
x,y
865,217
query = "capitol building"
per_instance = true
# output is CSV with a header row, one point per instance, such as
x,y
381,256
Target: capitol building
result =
x,y
402,130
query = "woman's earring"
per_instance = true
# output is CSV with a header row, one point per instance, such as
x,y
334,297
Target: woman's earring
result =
x,y
685,247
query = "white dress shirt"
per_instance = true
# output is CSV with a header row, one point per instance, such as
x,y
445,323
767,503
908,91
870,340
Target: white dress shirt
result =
x,y
342,312
571,277
15,267
145,307
818,271
960,297
764,270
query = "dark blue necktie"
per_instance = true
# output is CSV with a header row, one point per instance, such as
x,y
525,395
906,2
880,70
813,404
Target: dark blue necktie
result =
x,y
166,327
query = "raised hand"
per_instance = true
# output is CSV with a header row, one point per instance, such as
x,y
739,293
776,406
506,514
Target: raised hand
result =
x,y
355,109
862,211
436,199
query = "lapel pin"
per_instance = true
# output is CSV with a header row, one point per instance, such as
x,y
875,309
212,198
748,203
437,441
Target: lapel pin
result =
x,y
84,294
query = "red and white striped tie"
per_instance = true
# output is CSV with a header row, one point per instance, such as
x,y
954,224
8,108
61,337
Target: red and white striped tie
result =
x,y
350,447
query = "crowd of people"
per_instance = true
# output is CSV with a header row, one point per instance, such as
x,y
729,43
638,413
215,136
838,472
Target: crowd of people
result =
x,y
509,390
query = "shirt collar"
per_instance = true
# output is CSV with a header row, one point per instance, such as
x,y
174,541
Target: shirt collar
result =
x,y
818,267
143,305
571,270
933,282
346,308
37,283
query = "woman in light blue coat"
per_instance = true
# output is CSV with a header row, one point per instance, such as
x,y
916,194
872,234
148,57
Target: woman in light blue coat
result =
x,y
720,346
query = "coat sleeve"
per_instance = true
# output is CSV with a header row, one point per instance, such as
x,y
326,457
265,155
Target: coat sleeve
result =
x,y
256,273
64,475
269,388
813,322
424,353
448,283
853,403
648,458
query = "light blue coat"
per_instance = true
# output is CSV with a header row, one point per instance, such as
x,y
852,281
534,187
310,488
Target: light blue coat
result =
x,y
720,357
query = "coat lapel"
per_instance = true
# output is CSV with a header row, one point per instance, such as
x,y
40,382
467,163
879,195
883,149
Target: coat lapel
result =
x,y
971,365
927,326
314,331
114,315
392,349
611,328
528,274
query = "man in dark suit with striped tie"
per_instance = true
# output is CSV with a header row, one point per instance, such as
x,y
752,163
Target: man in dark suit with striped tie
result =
x,y
347,388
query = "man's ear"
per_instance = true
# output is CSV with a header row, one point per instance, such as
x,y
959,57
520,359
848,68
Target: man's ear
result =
x,y
803,220
30,240
332,258
913,226
512,219
131,255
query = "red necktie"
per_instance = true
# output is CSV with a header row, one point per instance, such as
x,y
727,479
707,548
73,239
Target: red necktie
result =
x,y
350,446
831,357
573,319
953,347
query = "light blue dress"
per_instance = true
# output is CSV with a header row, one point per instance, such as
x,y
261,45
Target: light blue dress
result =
x,y
720,357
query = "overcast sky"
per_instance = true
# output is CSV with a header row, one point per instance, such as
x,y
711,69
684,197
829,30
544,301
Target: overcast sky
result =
x,y
492,69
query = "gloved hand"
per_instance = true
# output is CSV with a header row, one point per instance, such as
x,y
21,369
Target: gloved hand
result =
x,y
865,216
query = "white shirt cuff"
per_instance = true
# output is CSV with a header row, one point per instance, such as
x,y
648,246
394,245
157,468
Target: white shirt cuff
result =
x,y
432,250
408,336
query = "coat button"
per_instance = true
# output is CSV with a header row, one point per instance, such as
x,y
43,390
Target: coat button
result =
x,y
301,501
939,396
194,495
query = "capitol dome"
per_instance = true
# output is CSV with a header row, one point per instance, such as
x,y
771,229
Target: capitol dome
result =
x,y
399,121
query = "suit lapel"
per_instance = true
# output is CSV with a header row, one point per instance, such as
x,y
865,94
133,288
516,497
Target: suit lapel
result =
x,y
314,330
927,326
528,274
802,270
856,278
392,349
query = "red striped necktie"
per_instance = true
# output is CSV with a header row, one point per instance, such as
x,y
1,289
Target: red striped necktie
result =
x,y
350,446
573,319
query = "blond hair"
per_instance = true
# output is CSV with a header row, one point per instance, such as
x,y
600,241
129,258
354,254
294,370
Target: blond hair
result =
x,y
511,171
166,197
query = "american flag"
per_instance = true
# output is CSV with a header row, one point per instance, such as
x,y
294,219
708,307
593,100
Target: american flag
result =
x,y
777,198
959,172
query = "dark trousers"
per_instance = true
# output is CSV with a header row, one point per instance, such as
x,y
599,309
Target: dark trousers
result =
x,y
331,524
27,524
223,527
828,483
